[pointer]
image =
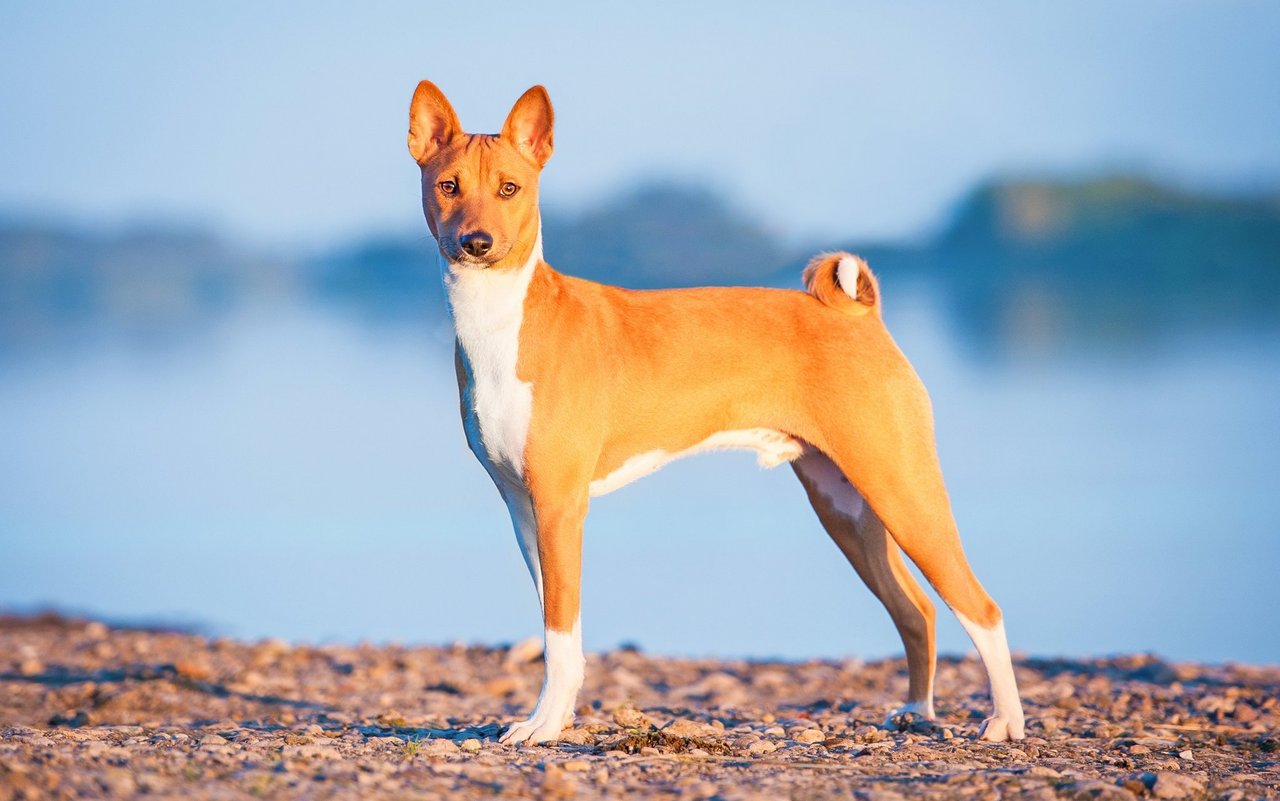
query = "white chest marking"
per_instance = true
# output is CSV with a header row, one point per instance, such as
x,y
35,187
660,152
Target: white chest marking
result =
x,y
772,449
488,309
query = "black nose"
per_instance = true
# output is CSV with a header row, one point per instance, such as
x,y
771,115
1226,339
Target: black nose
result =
x,y
476,243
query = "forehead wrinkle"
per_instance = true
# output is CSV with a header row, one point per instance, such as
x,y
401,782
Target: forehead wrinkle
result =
x,y
480,159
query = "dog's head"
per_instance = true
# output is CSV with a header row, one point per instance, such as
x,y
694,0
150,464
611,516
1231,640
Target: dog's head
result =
x,y
480,191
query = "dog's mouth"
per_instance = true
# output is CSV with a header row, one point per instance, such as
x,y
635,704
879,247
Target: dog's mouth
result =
x,y
458,257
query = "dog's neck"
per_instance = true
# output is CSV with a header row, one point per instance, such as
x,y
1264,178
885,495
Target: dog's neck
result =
x,y
485,303
487,307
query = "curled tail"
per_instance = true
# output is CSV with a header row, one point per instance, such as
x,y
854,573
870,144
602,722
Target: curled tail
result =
x,y
843,281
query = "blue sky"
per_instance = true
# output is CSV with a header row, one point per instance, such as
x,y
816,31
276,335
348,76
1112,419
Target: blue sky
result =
x,y
284,123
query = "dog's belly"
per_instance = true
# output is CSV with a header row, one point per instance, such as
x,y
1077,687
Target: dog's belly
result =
x,y
772,449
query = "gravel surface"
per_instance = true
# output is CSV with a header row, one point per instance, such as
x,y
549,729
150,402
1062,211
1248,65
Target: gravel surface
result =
x,y
87,711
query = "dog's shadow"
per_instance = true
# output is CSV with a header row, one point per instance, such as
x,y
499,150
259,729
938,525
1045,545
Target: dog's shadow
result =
x,y
62,676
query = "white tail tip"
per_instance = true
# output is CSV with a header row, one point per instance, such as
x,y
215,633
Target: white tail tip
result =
x,y
847,275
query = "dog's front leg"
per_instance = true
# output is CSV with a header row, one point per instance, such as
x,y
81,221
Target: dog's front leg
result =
x,y
558,522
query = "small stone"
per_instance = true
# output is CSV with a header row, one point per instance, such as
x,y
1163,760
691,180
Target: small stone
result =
x,y
577,736
683,727
557,783
438,746
1175,785
810,736
471,745
577,766
213,739
193,670
30,667
762,747
523,652
1187,755
628,717
303,751
501,686
775,731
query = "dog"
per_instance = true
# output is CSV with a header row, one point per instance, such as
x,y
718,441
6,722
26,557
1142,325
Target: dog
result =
x,y
570,389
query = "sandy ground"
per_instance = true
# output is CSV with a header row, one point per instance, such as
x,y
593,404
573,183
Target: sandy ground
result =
x,y
92,712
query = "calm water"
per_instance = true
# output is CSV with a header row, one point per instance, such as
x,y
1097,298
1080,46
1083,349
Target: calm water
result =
x,y
302,476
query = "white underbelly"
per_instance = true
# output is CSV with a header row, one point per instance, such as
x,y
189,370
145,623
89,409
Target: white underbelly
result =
x,y
772,449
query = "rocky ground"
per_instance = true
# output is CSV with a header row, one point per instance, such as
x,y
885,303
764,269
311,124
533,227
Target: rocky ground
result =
x,y
92,712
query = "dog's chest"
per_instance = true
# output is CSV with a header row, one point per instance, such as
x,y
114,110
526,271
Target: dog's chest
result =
x,y
488,310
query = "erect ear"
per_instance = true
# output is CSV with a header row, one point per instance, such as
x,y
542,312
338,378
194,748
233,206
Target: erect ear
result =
x,y
432,122
528,126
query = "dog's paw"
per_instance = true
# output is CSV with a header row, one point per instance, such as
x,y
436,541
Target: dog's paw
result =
x,y
914,717
537,729
998,729
901,718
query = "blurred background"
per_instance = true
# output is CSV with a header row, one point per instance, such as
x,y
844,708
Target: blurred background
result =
x,y
226,383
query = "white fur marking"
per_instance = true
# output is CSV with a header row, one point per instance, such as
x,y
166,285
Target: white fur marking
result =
x,y
772,449
565,666
847,274
993,647
922,708
520,507
826,478
487,308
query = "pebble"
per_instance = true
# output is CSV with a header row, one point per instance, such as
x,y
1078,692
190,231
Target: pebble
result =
x,y
629,717
523,652
30,667
762,747
303,751
439,747
1175,785
810,736
683,727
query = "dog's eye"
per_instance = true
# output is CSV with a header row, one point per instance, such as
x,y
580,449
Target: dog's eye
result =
x,y
448,187
508,189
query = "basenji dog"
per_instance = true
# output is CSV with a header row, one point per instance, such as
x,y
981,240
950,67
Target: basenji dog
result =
x,y
571,389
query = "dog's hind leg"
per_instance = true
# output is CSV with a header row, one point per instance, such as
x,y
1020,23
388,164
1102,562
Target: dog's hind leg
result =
x,y
875,556
892,461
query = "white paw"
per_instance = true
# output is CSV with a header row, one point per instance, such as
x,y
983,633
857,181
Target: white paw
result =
x,y
897,718
538,728
998,729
